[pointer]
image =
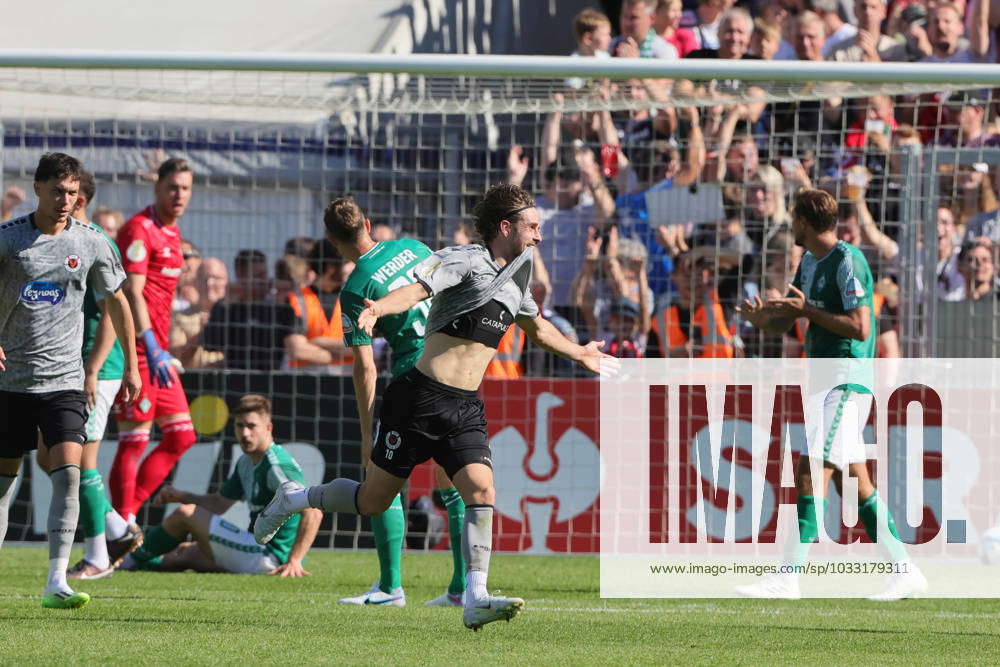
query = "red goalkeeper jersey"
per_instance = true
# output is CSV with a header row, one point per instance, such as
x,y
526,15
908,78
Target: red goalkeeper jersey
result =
x,y
154,250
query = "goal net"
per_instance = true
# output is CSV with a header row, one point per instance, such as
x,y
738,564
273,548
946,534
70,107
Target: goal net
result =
x,y
664,190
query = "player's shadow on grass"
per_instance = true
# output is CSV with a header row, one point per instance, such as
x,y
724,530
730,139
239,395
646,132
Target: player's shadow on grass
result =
x,y
880,632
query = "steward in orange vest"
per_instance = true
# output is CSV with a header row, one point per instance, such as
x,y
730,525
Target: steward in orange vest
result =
x,y
318,338
507,363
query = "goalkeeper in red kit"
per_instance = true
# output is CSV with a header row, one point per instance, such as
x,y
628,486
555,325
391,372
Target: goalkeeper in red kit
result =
x,y
150,244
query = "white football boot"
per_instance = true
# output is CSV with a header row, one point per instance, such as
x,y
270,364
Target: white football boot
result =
x,y
489,609
446,599
773,587
274,516
376,597
902,585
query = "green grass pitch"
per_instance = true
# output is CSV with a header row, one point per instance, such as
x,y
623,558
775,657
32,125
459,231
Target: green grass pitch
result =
x,y
179,619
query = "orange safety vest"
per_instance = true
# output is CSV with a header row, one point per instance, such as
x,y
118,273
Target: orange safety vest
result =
x,y
507,363
308,308
717,341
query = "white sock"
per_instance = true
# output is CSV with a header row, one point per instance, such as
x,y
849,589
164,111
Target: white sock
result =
x,y
298,500
57,576
115,526
95,550
475,586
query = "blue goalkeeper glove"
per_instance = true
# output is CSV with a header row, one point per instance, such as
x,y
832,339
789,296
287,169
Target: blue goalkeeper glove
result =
x,y
158,360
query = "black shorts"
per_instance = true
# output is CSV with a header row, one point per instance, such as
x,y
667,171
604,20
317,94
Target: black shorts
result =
x,y
423,419
61,416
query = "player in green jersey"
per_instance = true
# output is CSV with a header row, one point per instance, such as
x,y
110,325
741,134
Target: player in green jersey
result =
x,y
217,545
833,290
380,268
107,536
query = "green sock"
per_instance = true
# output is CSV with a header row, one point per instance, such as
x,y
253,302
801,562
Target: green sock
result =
x,y
456,517
93,501
884,533
810,513
389,528
158,542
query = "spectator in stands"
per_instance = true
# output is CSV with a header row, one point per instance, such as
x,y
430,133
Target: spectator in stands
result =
x,y
636,128
837,31
574,196
766,213
691,322
869,44
945,31
774,14
733,37
810,36
765,40
726,235
708,17
187,285
975,201
978,265
464,234
12,198
249,328
316,343
638,39
300,246
874,123
592,30
667,25
968,116
109,220
291,273
950,283
186,327
383,232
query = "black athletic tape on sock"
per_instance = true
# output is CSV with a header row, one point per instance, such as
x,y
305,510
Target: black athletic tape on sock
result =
x,y
472,507
65,465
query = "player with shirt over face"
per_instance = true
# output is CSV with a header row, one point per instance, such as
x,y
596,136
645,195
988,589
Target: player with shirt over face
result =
x,y
48,262
432,411
379,269
150,244
832,288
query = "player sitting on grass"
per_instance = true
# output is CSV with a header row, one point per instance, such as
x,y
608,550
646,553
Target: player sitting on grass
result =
x,y
432,411
217,545
381,268
832,288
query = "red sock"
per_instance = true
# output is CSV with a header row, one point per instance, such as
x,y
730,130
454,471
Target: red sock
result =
x,y
131,445
177,438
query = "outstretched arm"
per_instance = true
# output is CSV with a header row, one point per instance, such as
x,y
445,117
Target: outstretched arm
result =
x,y
216,503
397,301
308,527
589,356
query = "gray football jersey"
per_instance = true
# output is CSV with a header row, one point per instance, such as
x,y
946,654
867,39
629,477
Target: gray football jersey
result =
x,y
43,279
462,278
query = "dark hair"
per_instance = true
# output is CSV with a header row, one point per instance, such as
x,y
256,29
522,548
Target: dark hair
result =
x,y
247,258
174,165
88,188
300,246
344,220
499,203
253,403
58,166
818,208
324,255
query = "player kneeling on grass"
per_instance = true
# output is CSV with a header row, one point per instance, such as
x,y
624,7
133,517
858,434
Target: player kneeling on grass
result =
x,y
833,290
432,410
217,545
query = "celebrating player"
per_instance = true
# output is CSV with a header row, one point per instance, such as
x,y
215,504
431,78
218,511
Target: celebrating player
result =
x,y
151,245
380,268
218,545
48,262
432,410
832,288
103,367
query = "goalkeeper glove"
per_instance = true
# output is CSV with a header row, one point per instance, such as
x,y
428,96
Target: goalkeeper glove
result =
x,y
158,360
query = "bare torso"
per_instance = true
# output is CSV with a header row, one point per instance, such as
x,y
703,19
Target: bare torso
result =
x,y
456,362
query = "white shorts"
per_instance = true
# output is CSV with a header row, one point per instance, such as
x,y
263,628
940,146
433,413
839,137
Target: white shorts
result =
x,y
236,551
835,425
97,420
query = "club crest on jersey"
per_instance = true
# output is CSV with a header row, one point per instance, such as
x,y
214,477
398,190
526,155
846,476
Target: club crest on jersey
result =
x,y
72,263
42,291
136,251
821,283
346,323
393,440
